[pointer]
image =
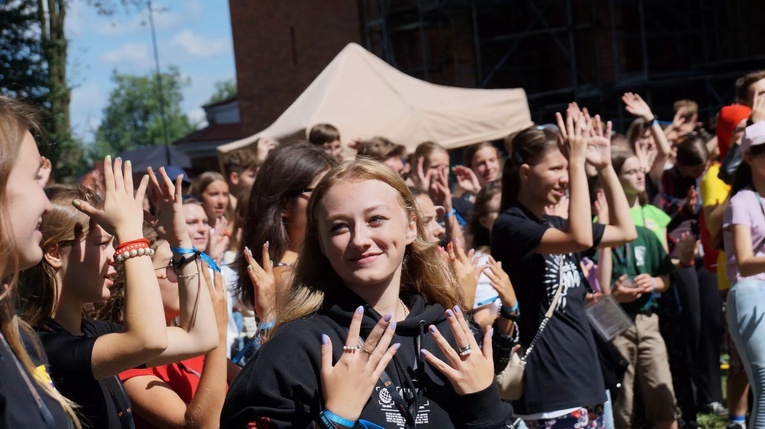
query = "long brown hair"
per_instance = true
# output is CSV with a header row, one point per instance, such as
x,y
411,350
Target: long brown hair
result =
x,y
63,227
424,271
16,119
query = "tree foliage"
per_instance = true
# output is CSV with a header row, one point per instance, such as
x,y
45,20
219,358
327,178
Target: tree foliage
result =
x,y
133,115
224,90
23,73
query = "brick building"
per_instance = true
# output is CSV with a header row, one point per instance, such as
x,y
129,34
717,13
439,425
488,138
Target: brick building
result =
x,y
590,51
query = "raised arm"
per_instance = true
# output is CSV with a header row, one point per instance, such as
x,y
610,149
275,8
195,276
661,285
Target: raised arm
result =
x,y
156,402
621,229
196,334
145,335
639,108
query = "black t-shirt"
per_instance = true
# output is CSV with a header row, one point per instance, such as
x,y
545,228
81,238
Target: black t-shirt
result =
x,y
18,404
101,401
563,370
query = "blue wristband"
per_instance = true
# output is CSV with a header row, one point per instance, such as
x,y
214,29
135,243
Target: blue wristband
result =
x,y
266,325
205,257
511,309
334,418
450,213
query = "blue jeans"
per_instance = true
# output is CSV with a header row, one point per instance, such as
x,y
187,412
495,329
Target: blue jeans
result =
x,y
746,314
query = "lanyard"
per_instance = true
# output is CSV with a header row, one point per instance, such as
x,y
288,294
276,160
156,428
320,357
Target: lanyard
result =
x,y
624,255
47,417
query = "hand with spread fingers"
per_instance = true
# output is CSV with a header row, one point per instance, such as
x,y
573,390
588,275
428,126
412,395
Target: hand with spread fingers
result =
x,y
421,178
466,179
466,270
122,214
263,283
169,221
599,144
348,384
500,281
575,135
470,369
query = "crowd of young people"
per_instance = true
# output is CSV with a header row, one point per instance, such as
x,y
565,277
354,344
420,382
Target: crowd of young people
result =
x,y
303,288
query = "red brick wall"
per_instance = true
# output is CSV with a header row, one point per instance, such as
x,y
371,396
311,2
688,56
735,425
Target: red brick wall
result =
x,y
281,46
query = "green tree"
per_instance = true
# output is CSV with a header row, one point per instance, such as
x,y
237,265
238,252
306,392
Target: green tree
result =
x,y
224,90
133,115
23,73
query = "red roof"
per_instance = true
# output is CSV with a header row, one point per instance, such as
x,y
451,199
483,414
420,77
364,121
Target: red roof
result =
x,y
213,133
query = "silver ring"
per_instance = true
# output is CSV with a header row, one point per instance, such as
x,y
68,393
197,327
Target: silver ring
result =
x,y
464,351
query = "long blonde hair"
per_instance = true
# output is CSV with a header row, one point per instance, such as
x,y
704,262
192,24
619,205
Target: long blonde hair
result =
x,y
424,270
16,119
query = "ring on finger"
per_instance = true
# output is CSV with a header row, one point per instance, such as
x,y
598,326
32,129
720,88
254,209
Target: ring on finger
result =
x,y
350,349
364,350
464,351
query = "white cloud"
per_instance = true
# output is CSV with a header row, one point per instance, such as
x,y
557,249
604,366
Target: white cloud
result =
x,y
201,46
87,102
137,54
198,117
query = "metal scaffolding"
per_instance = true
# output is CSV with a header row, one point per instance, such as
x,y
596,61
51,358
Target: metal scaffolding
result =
x,y
589,51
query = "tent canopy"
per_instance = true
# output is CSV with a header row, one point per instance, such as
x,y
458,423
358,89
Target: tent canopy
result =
x,y
364,97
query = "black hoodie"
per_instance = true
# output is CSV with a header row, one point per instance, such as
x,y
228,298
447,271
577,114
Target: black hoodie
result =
x,y
280,386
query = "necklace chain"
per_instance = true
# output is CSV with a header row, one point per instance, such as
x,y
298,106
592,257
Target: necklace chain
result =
x,y
406,310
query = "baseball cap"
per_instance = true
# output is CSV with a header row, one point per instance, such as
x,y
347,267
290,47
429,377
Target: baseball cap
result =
x,y
753,136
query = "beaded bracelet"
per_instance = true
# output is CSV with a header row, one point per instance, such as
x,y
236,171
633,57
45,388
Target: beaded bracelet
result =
x,y
120,257
127,246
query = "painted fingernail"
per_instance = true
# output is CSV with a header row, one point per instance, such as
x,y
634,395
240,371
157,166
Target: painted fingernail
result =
x,y
324,339
491,331
424,352
247,251
249,267
392,326
118,159
432,328
396,346
457,309
272,262
267,244
449,313
76,203
360,310
127,163
387,317
108,158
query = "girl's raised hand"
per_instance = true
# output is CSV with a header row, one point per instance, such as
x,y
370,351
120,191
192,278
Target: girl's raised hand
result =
x,y
635,104
500,281
420,178
599,144
469,372
122,215
574,133
218,239
166,197
348,384
263,282
466,179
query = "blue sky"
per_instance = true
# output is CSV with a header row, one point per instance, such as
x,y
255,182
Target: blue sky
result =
x,y
194,35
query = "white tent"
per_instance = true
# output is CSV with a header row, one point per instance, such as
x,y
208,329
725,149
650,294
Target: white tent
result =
x,y
364,97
